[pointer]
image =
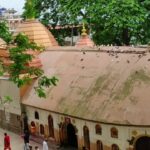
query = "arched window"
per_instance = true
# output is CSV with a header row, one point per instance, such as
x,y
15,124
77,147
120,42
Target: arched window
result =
x,y
114,132
36,115
99,145
33,127
114,147
86,137
41,129
98,129
33,124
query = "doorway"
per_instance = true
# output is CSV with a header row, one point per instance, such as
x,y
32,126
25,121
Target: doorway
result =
x,y
51,126
71,135
68,137
143,143
86,137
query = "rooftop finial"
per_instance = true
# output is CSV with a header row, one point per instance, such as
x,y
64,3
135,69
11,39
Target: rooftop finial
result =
x,y
83,30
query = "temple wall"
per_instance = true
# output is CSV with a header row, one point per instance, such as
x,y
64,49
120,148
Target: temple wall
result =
x,y
10,112
124,132
8,88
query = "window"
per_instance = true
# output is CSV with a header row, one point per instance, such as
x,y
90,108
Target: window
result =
x,y
114,132
98,129
36,114
114,147
41,129
32,124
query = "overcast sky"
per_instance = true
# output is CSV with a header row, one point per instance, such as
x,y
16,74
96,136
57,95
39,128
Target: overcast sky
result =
x,y
16,4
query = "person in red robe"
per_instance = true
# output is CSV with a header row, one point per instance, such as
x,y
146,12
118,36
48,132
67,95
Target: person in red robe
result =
x,y
6,142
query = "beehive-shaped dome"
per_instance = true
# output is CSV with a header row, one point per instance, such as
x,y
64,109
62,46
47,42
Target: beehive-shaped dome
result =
x,y
37,33
5,58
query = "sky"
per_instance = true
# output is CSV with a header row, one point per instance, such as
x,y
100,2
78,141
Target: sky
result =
x,y
16,4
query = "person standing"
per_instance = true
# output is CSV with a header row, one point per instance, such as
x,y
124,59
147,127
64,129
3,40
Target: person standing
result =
x,y
45,145
26,139
6,142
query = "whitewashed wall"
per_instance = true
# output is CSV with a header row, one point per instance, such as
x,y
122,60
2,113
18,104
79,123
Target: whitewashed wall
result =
x,y
8,88
124,132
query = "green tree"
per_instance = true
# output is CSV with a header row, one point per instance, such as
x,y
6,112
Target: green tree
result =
x,y
30,10
20,59
4,32
120,22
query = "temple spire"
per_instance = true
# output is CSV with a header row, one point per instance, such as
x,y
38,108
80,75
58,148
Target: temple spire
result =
x,y
84,40
83,30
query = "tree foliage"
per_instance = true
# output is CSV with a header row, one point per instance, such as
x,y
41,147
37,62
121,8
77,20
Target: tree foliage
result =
x,y
118,22
20,58
4,32
30,10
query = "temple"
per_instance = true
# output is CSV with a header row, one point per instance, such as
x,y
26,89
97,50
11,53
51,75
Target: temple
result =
x,y
101,101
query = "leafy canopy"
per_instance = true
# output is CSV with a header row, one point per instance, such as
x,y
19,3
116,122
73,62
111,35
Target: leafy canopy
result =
x,y
19,70
118,22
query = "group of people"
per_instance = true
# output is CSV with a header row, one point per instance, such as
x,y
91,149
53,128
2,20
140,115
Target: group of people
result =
x,y
27,146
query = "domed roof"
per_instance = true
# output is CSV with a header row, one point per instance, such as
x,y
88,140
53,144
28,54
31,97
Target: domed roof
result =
x,y
108,84
36,62
2,43
37,32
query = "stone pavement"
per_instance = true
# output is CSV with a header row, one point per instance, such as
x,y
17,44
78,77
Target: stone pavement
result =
x,y
17,142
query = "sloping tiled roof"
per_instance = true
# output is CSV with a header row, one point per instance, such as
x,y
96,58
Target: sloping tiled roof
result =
x,y
37,32
108,84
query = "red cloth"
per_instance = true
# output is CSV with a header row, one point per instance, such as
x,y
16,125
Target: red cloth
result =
x,y
7,143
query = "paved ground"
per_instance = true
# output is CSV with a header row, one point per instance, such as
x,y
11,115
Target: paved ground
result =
x,y
17,142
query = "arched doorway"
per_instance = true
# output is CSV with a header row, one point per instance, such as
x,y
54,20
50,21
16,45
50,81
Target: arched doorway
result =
x,y
68,137
50,126
99,145
114,147
41,129
86,137
143,143
71,136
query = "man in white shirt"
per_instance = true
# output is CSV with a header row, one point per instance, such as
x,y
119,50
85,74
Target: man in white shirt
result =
x,y
45,145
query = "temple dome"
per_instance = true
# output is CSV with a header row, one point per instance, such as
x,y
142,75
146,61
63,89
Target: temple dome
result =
x,y
5,57
37,33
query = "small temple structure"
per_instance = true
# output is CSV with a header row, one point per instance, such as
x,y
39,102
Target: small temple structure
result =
x,y
84,40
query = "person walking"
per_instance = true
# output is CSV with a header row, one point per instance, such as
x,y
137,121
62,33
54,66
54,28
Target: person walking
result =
x,y
6,142
26,140
45,145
